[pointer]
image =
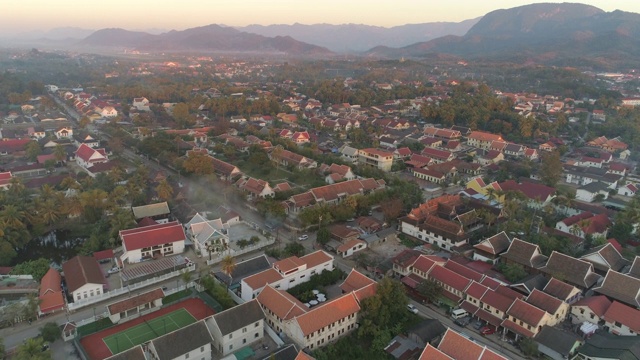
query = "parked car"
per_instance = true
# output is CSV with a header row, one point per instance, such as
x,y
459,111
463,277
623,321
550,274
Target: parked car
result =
x,y
462,322
487,330
113,270
303,237
412,308
479,324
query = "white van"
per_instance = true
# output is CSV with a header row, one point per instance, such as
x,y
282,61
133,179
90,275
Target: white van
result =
x,y
459,313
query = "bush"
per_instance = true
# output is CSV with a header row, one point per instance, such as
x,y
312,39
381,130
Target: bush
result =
x,y
50,332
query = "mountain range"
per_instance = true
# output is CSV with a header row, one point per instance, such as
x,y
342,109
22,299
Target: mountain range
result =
x,y
358,38
550,33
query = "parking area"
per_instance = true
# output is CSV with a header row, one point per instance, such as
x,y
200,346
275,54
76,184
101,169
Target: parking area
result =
x,y
242,231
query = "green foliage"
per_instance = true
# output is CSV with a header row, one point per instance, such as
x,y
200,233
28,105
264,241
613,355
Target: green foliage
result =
x,y
293,249
430,290
31,349
36,268
529,347
317,282
50,332
513,272
217,291
323,236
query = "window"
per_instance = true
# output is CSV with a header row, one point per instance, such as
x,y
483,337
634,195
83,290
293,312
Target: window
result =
x,y
230,336
617,324
244,330
186,356
231,347
244,341
257,323
201,348
256,335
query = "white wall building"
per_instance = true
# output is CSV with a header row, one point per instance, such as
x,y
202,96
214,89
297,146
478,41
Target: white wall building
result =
x,y
151,241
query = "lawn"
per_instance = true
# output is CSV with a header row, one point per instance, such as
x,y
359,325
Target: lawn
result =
x,y
148,330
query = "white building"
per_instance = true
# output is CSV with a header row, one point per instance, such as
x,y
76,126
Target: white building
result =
x,y
151,241
286,273
209,236
190,342
235,328
83,277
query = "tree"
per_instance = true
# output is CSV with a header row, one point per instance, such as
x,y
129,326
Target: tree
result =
x,y
84,121
50,332
430,290
32,150
513,272
32,350
186,276
529,347
199,164
2,350
164,190
181,114
323,236
59,153
551,168
293,249
30,309
391,209
228,265
36,268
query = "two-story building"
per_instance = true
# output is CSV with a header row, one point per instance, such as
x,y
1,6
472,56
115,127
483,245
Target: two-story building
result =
x,y
237,327
286,273
190,342
83,277
151,241
376,158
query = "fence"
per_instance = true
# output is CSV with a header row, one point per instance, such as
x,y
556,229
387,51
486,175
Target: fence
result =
x,y
272,334
120,291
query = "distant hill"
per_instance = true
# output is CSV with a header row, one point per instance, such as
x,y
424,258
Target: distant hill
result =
x,y
550,33
358,38
210,38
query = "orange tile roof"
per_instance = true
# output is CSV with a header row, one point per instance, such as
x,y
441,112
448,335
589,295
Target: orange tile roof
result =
x,y
459,347
327,314
281,303
354,281
135,301
316,258
431,353
303,356
288,264
263,278
623,314
350,244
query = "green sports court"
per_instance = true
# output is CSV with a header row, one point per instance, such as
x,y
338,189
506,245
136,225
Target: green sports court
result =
x,y
148,330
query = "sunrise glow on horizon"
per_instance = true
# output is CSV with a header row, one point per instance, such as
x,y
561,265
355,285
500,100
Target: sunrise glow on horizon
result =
x,y
28,15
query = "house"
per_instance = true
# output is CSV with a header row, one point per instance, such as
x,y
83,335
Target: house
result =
x,y
402,347
141,104
548,147
108,112
350,247
134,305
64,133
628,190
349,154
50,296
237,327
319,325
152,241
620,287
243,269
604,258
490,249
428,331
83,277
524,253
190,342
343,233
592,191
87,157
332,194
338,173
458,347
158,212
573,271
538,194
622,320
445,135
482,140
524,319
604,346
224,170
255,188
563,291
286,273
590,309
585,224
438,156
556,308
5,180
433,176
300,137
557,344
288,158
208,236
379,159
403,262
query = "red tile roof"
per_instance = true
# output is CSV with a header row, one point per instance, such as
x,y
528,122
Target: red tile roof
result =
x,y
496,300
459,347
450,278
281,303
327,314
544,301
463,270
431,353
135,301
533,191
526,312
517,328
484,136
623,314
599,304
476,290
148,236
355,281
51,298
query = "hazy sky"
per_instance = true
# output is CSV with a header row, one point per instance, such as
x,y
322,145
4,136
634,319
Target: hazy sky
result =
x,y
25,15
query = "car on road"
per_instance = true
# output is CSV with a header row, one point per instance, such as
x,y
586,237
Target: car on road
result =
x,y
412,308
113,270
487,330
462,322
303,237
479,324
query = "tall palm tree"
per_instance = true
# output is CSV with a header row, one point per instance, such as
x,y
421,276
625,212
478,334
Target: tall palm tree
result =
x,y
13,216
186,277
228,265
59,153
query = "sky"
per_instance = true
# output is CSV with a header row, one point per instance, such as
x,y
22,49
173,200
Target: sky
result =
x,y
18,16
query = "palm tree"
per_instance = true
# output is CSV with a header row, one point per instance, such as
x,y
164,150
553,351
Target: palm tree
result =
x,y
186,277
13,216
32,350
49,211
59,153
228,265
